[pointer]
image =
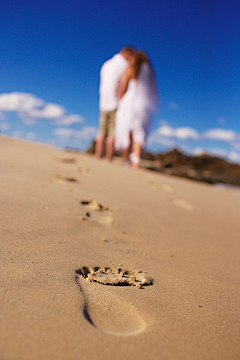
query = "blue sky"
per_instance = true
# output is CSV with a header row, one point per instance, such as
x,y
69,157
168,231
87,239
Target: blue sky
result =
x,y
52,51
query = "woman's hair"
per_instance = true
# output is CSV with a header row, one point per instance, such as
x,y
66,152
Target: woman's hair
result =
x,y
149,78
140,58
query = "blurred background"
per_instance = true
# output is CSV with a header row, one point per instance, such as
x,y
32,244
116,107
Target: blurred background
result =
x,y
52,51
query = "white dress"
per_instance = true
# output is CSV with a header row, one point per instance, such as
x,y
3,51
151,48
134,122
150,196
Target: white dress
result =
x,y
136,109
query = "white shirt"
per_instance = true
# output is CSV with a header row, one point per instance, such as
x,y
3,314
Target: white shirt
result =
x,y
110,75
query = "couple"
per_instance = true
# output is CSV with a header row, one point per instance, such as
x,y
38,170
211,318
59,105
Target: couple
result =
x,y
128,100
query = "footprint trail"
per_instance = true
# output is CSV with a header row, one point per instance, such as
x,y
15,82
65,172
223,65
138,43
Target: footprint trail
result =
x,y
65,160
103,308
63,180
94,205
98,212
84,170
162,186
183,204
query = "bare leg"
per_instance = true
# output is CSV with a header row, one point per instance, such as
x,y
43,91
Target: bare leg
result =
x,y
137,151
99,146
126,152
109,148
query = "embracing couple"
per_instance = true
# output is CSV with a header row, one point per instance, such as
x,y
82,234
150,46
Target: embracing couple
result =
x,y
128,101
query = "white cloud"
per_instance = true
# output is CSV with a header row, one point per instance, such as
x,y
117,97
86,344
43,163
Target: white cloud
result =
x,y
47,111
236,145
198,151
169,137
64,133
232,156
155,139
219,152
27,119
19,102
30,108
69,120
185,133
30,136
4,126
166,130
87,133
221,134
17,134
182,133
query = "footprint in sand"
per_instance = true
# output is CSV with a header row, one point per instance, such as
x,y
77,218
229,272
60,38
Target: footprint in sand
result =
x,y
65,160
98,213
64,180
183,204
84,170
158,185
103,307
94,205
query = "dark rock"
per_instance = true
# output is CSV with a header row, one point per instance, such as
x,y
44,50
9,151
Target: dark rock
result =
x,y
205,168
91,149
175,158
148,156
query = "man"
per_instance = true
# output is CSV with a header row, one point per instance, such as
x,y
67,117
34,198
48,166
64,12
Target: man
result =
x,y
110,75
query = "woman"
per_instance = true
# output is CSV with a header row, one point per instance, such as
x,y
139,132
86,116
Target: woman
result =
x,y
138,103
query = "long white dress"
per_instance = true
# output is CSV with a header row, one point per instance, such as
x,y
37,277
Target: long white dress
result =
x,y
136,109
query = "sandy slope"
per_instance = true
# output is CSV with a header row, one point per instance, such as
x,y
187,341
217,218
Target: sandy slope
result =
x,y
183,234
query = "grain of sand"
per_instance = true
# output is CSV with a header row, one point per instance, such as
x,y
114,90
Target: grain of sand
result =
x,y
186,240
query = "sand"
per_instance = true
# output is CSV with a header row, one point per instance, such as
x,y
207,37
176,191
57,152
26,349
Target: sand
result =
x,y
66,215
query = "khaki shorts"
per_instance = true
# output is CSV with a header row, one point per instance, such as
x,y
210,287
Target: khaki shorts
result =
x,y
107,123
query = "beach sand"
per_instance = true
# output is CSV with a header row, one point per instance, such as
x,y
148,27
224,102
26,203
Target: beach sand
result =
x,y
71,225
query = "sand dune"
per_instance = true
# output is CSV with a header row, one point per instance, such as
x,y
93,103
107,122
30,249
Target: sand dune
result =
x,y
67,252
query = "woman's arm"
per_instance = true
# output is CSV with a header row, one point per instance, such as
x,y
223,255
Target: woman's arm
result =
x,y
129,74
